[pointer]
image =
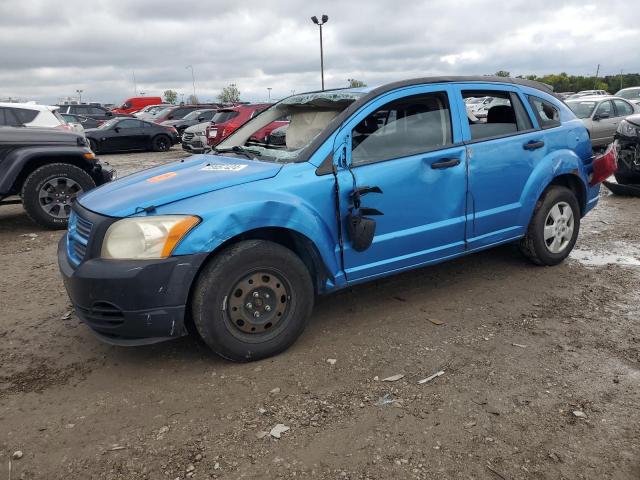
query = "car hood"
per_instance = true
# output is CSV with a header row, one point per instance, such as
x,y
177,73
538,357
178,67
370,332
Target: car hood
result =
x,y
635,119
200,127
173,123
175,181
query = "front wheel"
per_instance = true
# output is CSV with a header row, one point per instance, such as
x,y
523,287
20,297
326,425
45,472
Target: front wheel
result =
x,y
554,227
49,192
161,143
252,301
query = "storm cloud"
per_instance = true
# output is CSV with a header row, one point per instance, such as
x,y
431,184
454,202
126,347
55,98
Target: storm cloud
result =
x,y
49,49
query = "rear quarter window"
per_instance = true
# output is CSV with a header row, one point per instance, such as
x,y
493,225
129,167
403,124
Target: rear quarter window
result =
x,y
548,114
25,115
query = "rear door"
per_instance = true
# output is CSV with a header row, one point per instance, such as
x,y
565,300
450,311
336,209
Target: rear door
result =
x,y
503,149
406,144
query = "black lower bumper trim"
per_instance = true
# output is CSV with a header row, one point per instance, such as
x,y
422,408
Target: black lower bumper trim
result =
x,y
131,302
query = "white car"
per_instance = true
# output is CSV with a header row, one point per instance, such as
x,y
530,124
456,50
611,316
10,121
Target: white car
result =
x,y
632,94
31,115
150,111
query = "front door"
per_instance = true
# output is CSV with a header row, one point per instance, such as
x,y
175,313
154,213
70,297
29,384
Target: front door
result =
x,y
604,123
406,144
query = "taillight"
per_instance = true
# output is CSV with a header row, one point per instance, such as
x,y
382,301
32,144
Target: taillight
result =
x,y
64,126
604,165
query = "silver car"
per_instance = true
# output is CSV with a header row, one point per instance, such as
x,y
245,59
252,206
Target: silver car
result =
x,y
194,139
601,115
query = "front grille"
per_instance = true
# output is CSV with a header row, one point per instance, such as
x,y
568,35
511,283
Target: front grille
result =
x,y
78,237
187,136
103,315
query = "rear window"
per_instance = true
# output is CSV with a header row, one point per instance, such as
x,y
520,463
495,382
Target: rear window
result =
x,y
25,115
547,113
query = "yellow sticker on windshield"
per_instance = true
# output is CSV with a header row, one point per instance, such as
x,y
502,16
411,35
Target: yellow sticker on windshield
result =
x,y
161,178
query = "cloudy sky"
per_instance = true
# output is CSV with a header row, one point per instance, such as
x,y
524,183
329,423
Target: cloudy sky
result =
x,y
51,48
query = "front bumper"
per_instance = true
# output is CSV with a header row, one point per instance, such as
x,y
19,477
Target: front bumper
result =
x,y
195,143
130,302
102,173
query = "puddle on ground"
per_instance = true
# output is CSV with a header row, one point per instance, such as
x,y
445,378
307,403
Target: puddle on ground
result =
x,y
620,253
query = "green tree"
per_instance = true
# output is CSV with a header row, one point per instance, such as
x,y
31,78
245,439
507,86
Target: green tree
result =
x,y
230,94
170,96
354,83
192,100
502,73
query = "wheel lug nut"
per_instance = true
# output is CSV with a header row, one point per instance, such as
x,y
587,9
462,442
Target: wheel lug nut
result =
x,y
256,314
249,306
266,295
256,294
267,308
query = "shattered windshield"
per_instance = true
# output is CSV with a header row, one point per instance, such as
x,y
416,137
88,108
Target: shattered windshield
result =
x,y
284,130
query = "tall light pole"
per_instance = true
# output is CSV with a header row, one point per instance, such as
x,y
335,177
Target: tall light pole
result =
x,y
269,88
79,92
193,81
320,23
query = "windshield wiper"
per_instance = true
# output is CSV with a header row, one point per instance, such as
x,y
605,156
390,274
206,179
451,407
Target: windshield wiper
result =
x,y
247,152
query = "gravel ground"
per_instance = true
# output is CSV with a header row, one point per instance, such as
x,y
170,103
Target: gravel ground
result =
x,y
541,374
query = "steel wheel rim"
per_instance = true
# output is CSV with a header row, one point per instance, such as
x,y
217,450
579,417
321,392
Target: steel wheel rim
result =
x,y
257,305
559,227
57,195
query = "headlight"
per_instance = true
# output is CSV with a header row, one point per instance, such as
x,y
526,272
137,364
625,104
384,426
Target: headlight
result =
x,y
628,129
146,237
213,133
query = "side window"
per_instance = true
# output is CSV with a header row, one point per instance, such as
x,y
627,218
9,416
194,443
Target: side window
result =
x,y
605,110
547,113
623,109
11,118
96,111
494,113
2,119
404,127
24,115
130,123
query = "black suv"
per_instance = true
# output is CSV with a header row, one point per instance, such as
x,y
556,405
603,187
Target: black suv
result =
x,y
92,111
48,169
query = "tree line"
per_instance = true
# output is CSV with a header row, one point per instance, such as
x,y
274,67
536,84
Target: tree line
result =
x,y
563,82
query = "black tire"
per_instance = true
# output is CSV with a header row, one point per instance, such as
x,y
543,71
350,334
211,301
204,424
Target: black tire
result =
x,y
93,144
161,143
627,178
533,245
71,182
226,328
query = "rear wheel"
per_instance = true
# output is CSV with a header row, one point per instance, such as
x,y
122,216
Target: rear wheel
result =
x,y
49,192
252,301
554,227
161,143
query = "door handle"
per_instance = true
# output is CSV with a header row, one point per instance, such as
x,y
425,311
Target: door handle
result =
x,y
532,145
445,163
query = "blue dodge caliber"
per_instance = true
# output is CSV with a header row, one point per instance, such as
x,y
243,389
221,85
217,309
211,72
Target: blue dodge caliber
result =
x,y
366,183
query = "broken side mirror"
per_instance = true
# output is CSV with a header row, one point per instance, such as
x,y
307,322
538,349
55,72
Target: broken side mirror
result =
x,y
361,231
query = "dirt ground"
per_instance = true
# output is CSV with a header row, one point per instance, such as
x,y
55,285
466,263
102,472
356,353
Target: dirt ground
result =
x,y
522,348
